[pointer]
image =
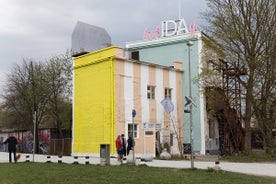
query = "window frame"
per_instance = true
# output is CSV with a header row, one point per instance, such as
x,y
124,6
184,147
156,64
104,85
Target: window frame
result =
x,y
129,129
168,92
151,92
135,55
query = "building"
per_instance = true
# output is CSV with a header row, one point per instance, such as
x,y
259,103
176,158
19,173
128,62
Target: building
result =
x,y
108,87
169,43
111,82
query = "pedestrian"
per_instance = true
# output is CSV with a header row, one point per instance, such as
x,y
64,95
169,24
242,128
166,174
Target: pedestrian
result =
x,y
123,144
130,143
12,142
119,148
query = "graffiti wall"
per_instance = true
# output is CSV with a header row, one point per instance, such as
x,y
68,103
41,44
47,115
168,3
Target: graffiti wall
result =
x,y
26,139
2,139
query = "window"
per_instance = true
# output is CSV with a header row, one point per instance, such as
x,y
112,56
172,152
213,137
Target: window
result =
x,y
135,55
149,133
168,92
151,92
171,139
211,129
130,128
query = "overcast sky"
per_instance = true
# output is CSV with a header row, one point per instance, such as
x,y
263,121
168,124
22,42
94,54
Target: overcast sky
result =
x,y
39,29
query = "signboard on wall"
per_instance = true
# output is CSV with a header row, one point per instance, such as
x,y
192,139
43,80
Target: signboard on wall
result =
x,y
152,125
170,28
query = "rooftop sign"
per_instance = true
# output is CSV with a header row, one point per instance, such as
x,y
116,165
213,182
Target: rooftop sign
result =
x,y
169,28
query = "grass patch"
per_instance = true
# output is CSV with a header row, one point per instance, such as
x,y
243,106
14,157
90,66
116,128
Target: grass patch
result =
x,y
250,158
77,173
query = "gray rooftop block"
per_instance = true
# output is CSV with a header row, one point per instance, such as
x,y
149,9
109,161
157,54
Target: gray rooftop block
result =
x,y
88,38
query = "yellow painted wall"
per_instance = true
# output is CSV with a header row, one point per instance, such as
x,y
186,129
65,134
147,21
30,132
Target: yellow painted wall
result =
x,y
94,102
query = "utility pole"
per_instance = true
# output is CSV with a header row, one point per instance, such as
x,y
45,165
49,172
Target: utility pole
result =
x,y
133,115
189,44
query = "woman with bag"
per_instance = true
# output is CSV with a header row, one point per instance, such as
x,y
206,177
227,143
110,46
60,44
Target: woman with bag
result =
x,y
119,148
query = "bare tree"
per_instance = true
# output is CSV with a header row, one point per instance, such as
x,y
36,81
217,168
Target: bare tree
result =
x,y
243,30
58,75
35,91
25,97
264,103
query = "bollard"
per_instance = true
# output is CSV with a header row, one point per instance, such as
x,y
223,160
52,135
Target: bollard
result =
x,y
48,159
59,159
216,166
27,158
87,160
75,160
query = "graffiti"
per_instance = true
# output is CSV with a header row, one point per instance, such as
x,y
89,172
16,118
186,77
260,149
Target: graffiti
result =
x,y
26,141
2,144
44,148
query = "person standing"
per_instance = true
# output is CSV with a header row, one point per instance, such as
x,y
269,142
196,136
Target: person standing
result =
x,y
123,144
118,143
130,143
12,142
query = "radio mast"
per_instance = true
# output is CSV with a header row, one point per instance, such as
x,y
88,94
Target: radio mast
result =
x,y
179,9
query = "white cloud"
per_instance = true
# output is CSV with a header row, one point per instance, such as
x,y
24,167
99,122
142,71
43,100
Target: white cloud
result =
x,y
39,29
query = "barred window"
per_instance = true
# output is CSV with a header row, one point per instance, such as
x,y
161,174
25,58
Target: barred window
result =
x,y
132,128
151,92
168,92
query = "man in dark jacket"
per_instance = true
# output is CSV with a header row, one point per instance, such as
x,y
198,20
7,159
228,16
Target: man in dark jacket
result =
x,y
130,143
12,142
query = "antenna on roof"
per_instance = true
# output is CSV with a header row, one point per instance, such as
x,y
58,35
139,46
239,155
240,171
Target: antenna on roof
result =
x,y
179,9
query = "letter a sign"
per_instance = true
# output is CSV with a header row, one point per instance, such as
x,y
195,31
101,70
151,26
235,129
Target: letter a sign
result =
x,y
173,27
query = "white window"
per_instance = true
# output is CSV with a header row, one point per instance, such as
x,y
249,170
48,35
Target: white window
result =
x,y
168,92
171,139
151,92
131,128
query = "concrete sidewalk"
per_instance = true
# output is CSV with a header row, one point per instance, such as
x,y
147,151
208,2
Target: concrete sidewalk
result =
x,y
260,169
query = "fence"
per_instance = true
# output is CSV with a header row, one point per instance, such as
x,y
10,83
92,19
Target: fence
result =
x,y
60,147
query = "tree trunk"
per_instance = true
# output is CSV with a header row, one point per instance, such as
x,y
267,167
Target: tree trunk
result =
x,y
36,145
247,116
